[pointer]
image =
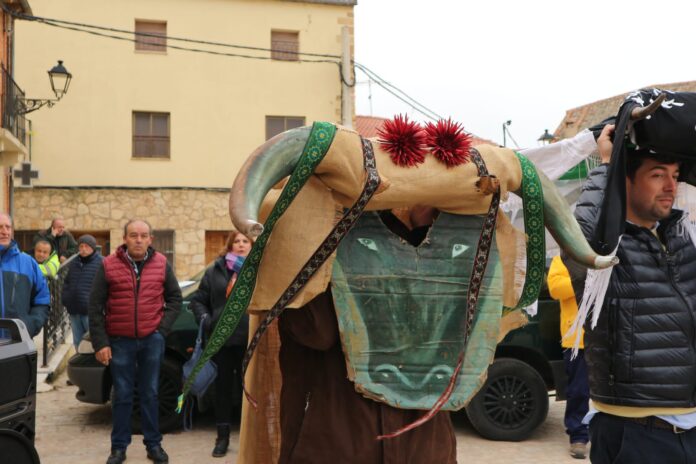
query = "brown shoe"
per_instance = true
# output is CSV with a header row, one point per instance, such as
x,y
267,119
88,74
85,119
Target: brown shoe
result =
x,y
578,450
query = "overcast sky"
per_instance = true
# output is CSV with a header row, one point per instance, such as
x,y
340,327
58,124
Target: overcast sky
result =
x,y
485,62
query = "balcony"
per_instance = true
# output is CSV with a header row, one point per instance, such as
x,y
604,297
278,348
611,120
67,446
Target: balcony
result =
x,y
13,135
12,104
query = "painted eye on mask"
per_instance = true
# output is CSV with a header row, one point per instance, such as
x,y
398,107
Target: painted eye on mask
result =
x,y
368,243
458,249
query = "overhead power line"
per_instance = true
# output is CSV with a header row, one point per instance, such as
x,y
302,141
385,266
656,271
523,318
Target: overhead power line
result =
x,y
61,22
398,93
132,36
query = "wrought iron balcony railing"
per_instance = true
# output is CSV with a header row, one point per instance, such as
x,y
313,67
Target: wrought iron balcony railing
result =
x,y
13,107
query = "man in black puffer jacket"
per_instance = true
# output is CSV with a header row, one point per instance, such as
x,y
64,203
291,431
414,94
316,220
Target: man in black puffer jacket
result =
x,y
641,356
78,285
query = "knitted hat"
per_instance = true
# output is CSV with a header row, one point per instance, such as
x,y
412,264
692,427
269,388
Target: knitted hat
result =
x,y
88,240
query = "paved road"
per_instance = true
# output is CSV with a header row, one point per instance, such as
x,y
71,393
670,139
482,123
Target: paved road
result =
x,y
70,432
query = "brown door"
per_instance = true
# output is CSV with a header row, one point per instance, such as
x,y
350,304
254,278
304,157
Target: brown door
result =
x,y
25,239
215,241
103,239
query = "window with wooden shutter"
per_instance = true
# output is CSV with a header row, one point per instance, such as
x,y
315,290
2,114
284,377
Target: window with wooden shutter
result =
x,y
150,135
151,35
163,241
25,240
285,45
277,124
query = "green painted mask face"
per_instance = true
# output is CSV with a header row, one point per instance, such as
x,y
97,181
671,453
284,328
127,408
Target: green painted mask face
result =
x,y
401,310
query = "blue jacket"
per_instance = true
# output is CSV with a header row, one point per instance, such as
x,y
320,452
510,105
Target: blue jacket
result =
x,y
78,283
23,289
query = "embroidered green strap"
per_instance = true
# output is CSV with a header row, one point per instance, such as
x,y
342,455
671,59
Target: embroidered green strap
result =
x,y
533,207
315,149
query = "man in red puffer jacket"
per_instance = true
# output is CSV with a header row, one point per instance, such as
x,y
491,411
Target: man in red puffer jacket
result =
x,y
134,302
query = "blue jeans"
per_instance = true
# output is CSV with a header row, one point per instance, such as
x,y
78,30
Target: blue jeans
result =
x,y
80,326
577,397
135,361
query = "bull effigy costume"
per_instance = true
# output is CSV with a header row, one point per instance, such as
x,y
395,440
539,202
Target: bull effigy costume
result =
x,y
418,325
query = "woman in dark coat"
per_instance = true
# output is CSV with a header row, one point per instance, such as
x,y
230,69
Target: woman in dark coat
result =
x,y
207,305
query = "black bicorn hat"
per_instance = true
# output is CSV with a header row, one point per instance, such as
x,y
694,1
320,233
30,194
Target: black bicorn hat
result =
x,y
668,130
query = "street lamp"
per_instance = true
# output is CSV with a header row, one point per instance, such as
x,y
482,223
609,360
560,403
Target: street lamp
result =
x,y
60,81
505,130
546,138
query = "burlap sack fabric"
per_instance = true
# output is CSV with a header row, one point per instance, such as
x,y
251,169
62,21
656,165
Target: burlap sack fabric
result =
x,y
317,208
309,220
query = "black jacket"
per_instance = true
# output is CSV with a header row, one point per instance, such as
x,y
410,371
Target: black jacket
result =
x,y
210,299
78,283
642,352
65,245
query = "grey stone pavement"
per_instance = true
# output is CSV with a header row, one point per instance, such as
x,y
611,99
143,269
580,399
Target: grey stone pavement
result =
x,y
71,432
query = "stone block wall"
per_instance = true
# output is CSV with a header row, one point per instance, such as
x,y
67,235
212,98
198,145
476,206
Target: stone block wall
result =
x,y
189,212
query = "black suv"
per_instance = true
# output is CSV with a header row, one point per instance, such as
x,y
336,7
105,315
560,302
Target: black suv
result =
x,y
513,402
528,364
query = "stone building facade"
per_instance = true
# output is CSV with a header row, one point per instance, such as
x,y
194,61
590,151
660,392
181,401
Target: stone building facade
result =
x,y
191,214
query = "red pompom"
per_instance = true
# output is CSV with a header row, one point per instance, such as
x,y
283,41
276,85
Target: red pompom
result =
x,y
403,140
448,142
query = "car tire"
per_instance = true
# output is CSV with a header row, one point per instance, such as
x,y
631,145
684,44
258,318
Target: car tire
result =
x,y
169,390
511,404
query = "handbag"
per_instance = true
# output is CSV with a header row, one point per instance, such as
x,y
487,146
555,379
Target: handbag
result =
x,y
208,372
204,378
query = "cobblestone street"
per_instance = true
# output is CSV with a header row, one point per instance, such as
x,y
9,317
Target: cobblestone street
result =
x,y
70,432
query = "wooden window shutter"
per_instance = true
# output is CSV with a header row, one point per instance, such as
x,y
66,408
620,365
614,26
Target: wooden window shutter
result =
x,y
285,45
150,135
277,124
163,241
156,38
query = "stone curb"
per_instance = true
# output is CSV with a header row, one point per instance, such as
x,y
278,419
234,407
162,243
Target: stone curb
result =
x,y
56,365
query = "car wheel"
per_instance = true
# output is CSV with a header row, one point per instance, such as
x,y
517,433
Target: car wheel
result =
x,y
169,389
511,404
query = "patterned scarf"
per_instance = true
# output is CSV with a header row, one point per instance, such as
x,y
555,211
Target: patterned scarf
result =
x,y
234,263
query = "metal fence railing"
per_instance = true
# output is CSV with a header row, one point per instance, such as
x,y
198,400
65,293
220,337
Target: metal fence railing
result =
x,y
13,107
57,325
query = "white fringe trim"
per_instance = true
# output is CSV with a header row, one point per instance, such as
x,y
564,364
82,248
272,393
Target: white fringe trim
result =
x,y
532,309
596,285
687,226
691,227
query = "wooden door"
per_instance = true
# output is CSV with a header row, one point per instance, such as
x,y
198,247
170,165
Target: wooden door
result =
x,y
215,241
103,238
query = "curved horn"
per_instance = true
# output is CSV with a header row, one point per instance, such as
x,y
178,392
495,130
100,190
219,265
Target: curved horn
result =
x,y
277,158
643,112
566,230
267,165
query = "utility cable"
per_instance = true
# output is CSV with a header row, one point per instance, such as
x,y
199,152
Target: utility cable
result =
x,y
108,32
87,29
424,110
176,47
57,22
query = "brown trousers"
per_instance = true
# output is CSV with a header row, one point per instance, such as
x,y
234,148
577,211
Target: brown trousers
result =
x,y
324,420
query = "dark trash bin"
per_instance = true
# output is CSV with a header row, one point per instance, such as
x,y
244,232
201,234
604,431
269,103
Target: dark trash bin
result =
x,y
17,394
